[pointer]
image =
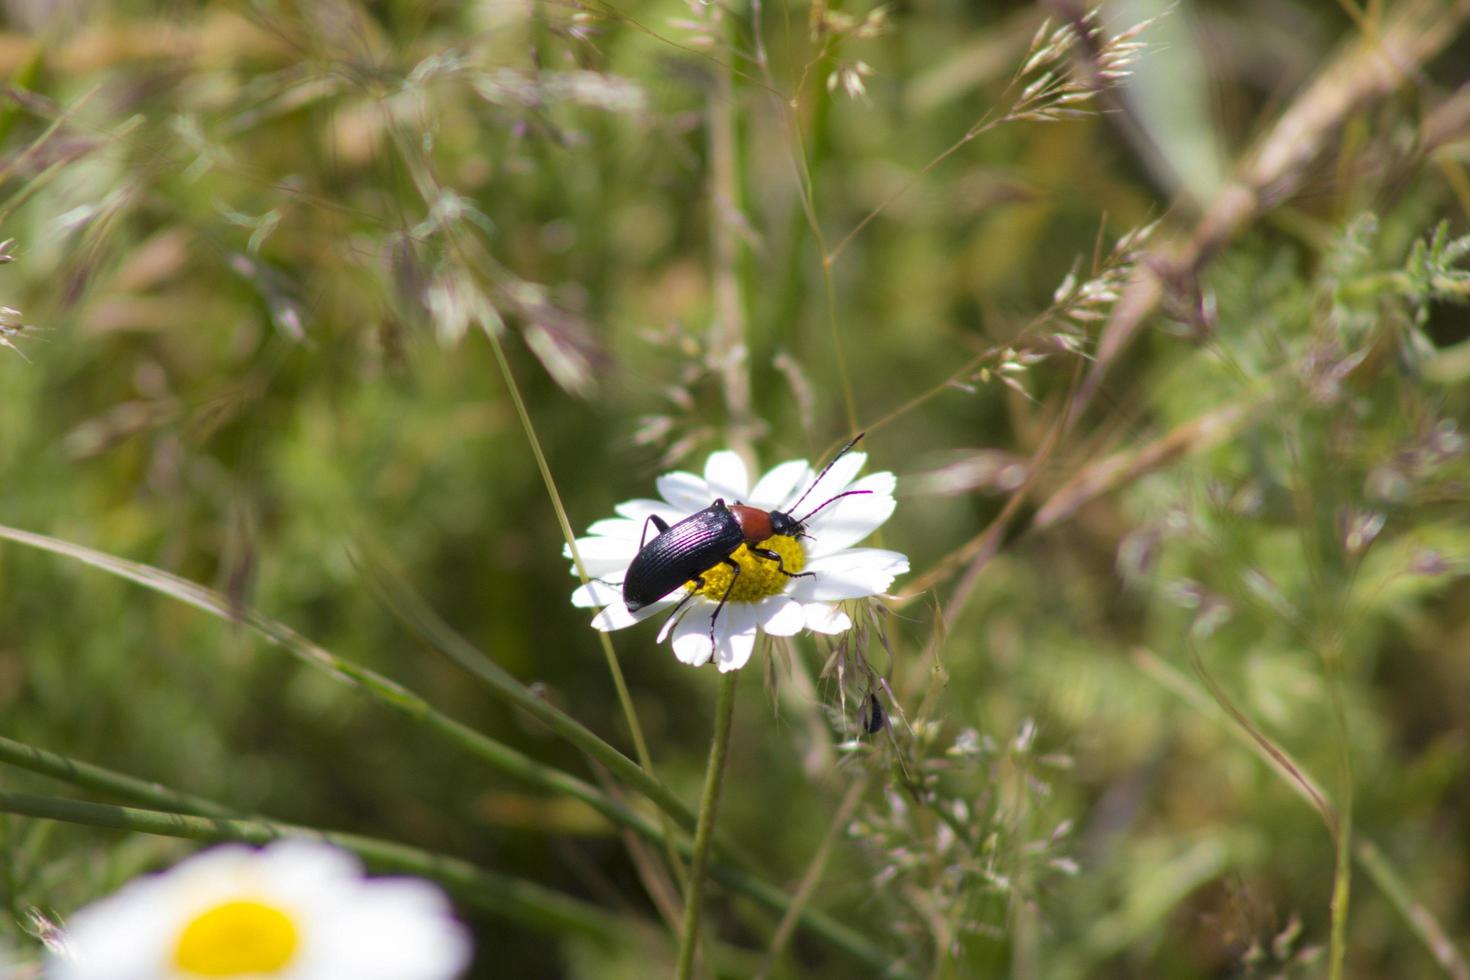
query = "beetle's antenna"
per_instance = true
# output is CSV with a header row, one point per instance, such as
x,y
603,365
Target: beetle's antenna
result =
x,y
840,453
847,493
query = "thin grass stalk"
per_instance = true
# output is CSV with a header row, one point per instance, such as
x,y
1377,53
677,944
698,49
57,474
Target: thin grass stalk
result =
x,y
620,684
382,689
378,687
429,185
96,778
1369,856
520,901
421,617
728,342
882,962
813,875
1278,755
1421,921
135,790
806,186
1373,67
714,777
409,606
1343,871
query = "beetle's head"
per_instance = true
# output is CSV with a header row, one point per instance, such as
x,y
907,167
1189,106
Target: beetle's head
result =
x,y
784,524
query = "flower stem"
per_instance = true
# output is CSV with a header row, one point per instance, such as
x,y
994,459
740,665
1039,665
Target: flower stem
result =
x,y
714,777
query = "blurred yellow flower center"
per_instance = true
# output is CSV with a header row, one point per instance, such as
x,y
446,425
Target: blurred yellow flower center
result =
x,y
759,576
237,939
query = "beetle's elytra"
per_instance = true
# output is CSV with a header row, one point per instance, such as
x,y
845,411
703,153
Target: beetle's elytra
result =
x,y
683,552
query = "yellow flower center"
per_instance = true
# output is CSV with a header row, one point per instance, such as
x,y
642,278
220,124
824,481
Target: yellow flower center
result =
x,y
236,939
759,577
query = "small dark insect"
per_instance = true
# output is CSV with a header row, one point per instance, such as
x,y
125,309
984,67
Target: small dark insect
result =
x,y
873,717
683,552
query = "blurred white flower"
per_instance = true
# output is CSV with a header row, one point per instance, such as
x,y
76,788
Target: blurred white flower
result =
x,y
296,910
761,599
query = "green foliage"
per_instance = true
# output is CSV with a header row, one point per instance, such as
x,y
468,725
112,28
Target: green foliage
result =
x,y
1172,654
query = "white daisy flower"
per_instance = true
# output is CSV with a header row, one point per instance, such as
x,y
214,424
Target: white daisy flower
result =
x,y
297,910
825,569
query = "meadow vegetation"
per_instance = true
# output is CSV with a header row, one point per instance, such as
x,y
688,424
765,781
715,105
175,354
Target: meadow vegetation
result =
x,y
326,323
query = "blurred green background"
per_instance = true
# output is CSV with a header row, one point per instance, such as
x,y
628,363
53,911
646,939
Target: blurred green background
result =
x,y
255,244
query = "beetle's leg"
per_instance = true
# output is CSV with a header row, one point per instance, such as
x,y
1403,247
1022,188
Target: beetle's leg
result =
x,y
728,589
657,522
770,555
698,581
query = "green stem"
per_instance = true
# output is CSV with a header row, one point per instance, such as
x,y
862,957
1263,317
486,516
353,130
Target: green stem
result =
x,y
813,875
515,899
378,687
620,685
1343,872
88,776
157,797
385,691
714,777
1370,858
467,252
1377,866
728,331
422,618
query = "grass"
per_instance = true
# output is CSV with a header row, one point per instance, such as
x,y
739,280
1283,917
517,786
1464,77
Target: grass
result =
x,y
334,323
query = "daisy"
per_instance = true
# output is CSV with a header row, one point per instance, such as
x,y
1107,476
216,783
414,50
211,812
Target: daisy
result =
x,y
762,599
297,910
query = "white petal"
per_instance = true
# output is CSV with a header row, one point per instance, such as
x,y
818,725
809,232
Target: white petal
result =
x,y
601,547
305,864
613,578
822,618
845,522
835,481
780,616
880,483
672,621
781,484
389,929
736,653
685,491
850,574
691,639
641,509
735,636
620,528
727,477
126,935
602,555
616,616
595,594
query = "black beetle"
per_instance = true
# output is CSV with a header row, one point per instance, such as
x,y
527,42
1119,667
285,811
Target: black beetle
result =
x,y
873,718
683,552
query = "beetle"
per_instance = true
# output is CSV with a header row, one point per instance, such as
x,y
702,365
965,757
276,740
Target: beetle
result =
x,y
873,718
683,552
